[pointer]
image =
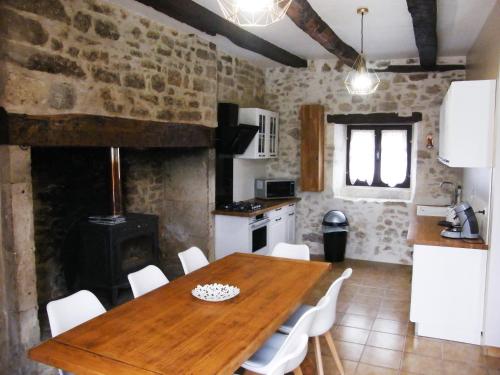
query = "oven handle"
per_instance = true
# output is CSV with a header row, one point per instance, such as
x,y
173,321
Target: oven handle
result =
x,y
260,224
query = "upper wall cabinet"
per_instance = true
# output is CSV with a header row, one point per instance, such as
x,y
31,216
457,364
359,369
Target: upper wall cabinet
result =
x,y
467,124
312,149
265,143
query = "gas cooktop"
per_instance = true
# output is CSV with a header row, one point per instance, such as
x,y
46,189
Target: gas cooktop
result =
x,y
245,206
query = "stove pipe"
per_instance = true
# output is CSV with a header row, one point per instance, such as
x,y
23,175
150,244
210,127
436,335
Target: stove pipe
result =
x,y
116,185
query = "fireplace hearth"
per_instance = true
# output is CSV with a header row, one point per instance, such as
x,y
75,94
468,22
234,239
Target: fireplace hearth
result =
x,y
108,253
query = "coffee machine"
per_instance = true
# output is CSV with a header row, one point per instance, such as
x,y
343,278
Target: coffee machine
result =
x,y
467,227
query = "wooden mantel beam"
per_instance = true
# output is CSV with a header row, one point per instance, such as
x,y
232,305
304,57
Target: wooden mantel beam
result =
x,y
306,18
199,17
424,16
80,130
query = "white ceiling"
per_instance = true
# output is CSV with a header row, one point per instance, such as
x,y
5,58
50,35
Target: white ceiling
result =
x,y
388,28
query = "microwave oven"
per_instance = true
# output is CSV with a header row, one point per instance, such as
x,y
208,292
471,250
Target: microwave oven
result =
x,y
276,188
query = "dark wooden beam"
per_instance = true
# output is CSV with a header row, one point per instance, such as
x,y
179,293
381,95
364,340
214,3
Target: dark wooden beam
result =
x,y
374,118
200,18
306,18
99,131
419,69
424,17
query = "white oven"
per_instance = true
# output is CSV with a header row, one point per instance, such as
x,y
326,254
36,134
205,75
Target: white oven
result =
x,y
241,234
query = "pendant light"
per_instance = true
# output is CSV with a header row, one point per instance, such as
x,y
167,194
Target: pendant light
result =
x,y
254,12
360,80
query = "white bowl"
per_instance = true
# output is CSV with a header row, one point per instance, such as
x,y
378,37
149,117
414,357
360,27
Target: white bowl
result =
x,y
215,292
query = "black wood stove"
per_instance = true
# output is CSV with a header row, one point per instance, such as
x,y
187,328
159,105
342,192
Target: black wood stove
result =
x,y
112,247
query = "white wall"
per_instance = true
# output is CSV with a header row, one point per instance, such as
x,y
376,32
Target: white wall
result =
x,y
245,172
477,191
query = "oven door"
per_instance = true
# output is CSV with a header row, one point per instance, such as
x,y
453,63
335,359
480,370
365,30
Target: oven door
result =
x,y
258,233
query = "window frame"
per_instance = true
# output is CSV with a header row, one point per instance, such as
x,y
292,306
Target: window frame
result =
x,y
377,182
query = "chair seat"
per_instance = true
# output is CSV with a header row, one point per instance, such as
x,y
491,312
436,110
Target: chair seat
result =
x,y
260,359
294,318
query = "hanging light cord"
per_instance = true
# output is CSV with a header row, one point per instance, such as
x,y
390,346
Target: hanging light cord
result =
x,y
362,31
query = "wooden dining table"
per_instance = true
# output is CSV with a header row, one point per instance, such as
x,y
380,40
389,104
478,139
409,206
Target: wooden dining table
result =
x,y
168,331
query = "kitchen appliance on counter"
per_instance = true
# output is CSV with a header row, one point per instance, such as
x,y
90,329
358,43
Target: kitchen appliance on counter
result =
x,y
244,206
276,188
467,228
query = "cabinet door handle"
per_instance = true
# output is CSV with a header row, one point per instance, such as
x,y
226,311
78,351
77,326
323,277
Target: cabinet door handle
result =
x,y
278,209
279,219
291,214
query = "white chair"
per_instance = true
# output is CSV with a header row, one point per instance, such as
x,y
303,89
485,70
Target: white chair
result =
x,y
286,250
323,321
270,358
192,259
146,280
69,312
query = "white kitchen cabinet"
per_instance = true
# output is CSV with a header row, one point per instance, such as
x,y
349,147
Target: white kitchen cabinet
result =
x,y
265,143
448,287
277,232
290,224
467,124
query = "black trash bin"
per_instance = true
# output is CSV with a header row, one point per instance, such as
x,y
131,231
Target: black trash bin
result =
x,y
335,229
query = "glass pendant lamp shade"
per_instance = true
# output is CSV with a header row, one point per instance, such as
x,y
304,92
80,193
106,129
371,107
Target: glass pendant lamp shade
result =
x,y
254,12
360,80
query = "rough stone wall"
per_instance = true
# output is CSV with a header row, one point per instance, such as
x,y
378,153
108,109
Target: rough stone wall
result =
x,y
177,185
87,56
18,311
239,81
378,228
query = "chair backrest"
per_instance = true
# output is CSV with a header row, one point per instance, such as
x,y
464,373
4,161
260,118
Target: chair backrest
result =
x,y
293,360
192,259
287,250
327,306
146,280
69,312
294,340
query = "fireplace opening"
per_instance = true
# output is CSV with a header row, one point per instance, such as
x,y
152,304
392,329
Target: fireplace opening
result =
x,y
134,251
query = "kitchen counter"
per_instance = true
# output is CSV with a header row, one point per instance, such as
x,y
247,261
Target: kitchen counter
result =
x,y
269,205
424,230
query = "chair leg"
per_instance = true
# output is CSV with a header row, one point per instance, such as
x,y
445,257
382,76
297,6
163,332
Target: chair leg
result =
x,y
319,360
331,345
298,371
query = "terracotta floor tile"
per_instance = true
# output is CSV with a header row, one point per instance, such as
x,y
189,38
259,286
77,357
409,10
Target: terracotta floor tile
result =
x,y
401,316
367,300
386,341
349,351
389,326
351,334
398,294
342,306
370,291
460,368
455,351
422,365
381,357
357,321
362,309
330,367
395,305
424,346
364,369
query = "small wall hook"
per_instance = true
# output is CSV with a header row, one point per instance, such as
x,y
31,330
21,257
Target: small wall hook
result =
x,y
430,142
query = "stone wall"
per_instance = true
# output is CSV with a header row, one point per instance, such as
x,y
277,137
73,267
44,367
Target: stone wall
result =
x,y
378,228
86,56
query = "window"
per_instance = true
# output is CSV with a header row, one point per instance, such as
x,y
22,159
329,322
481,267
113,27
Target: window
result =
x,y
379,155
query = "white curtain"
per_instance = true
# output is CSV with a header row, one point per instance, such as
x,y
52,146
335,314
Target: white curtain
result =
x,y
361,159
394,161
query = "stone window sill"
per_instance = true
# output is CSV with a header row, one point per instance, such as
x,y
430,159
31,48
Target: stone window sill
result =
x,y
374,194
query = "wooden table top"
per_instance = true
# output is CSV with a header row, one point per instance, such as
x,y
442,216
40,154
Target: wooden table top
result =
x,y
168,331
424,230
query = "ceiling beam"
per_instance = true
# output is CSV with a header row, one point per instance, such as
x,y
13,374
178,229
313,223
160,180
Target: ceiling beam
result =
x,y
424,17
306,18
201,18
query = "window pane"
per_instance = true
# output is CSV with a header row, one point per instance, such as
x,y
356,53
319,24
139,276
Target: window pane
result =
x,y
361,156
394,161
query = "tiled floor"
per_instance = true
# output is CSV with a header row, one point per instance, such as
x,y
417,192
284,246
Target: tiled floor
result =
x,y
373,334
